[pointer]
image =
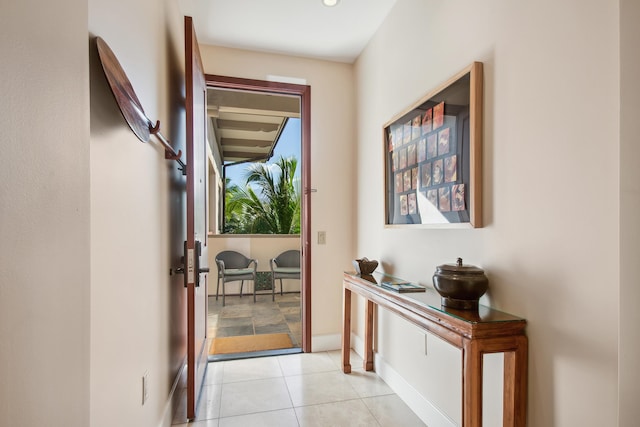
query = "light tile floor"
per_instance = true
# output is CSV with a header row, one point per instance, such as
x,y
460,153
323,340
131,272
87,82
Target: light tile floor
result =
x,y
306,389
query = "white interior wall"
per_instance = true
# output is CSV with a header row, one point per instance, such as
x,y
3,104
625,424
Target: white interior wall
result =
x,y
551,168
44,214
332,172
137,212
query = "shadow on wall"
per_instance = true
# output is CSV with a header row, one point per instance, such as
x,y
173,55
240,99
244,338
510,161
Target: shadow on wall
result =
x,y
104,112
105,117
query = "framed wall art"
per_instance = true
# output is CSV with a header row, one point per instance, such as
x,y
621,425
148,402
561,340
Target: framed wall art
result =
x,y
433,157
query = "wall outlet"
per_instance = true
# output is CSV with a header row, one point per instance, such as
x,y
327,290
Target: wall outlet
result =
x,y
322,237
145,387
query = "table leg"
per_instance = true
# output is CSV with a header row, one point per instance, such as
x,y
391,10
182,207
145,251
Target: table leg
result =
x,y
515,384
368,337
471,384
346,331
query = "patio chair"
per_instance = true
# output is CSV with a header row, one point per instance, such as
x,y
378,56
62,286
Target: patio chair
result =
x,y
233,266
284,266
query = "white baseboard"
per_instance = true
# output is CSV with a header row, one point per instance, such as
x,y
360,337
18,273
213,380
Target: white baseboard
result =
x,y
173,399
357,344
326,342
424,409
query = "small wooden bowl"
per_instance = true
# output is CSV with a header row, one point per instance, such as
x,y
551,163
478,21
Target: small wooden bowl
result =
x,y
365,266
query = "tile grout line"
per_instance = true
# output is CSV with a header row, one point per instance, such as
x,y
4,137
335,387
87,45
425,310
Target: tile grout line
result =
x,y
284,378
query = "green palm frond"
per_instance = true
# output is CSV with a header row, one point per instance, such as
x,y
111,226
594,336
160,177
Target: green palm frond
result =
x,y
275,209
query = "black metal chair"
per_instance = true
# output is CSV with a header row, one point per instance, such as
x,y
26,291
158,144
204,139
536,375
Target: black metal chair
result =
x,y
284,266
233,266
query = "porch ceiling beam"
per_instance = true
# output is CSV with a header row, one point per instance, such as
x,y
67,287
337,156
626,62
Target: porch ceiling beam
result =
x,y
248,126
254,111
235,155
234,142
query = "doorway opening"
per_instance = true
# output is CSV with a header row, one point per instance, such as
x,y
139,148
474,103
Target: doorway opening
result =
x,y
262,126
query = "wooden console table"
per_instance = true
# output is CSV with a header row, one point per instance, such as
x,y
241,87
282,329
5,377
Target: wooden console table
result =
x,y
475,332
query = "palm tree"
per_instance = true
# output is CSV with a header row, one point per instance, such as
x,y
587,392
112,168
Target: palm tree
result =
x,y
234,212
276,209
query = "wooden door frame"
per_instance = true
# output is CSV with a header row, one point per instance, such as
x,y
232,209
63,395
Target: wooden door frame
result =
x,y
195,262
304,92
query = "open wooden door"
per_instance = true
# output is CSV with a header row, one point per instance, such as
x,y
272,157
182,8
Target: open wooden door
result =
x,y
196,266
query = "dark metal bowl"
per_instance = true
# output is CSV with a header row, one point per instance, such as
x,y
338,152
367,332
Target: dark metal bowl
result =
x,y
460,286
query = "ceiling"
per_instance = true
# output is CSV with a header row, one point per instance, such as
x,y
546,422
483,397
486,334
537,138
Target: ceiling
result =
x,y
247,125
293,27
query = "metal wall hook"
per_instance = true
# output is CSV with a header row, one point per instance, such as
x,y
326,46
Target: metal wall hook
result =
x,y
169,152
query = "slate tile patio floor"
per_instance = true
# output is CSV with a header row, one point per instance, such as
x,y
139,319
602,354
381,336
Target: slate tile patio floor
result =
x,y
241,316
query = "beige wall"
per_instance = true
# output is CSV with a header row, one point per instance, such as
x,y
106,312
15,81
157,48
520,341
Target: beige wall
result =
x,y
137,310
332,171
629,377
551,245
44,214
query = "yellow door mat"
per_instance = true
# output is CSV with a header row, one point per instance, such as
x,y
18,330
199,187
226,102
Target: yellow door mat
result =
x,y
250,343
